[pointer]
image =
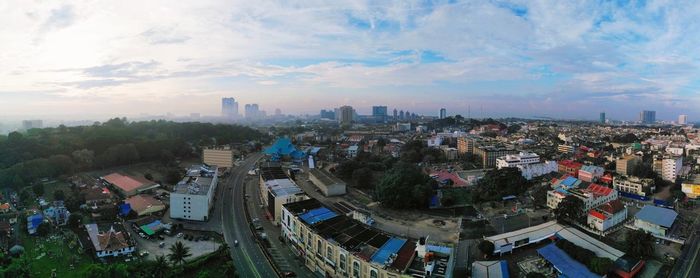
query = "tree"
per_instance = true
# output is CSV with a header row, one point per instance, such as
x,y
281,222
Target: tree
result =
x,y
178,253
362,177
148,176
639,244
38,189
539,196
569,209
19,268
58,195
404,186
43,229
160,267
601,266
499,183
486,247
84,158
74,220
95,271
173,175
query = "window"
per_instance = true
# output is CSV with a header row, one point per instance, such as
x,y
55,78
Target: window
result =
x,y
329,253
373,273
356,269
319,247
341,263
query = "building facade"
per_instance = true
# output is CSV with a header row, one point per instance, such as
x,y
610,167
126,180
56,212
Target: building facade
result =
x,y
219,156
607,215
671,168
625,165
515,160
489,154
229,108
634,185
346,114
193,197
590,173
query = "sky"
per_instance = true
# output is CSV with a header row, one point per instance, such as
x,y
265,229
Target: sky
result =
x,y
562,59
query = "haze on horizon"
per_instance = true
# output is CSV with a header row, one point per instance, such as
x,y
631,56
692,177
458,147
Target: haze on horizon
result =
x,y
513,58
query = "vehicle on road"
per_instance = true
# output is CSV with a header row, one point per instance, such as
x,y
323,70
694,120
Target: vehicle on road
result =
x,y
179,235
144,254
235,243
290,274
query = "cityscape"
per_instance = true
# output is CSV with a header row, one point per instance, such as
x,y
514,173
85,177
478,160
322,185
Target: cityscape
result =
x,y
350,139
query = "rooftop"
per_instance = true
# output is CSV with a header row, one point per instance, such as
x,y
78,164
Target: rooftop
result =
x,y
127,183
272,173
325,177
657,215
198,180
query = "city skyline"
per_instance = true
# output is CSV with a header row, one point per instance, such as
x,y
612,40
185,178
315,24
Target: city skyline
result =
x,y
521,59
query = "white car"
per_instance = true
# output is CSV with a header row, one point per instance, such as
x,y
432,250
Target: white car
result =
x,y
179,235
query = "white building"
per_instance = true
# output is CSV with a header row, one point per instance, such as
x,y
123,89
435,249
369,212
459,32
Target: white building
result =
x,y
435,141
655,220
634,185
592,196
513,160
607,215
682,119
193,197
277,189
671,168
110,243
352,151
676,151
530,171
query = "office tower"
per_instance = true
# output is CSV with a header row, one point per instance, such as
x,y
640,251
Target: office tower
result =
x,y
229,108
683,119
379,113
328,114
647,117
346,114
602,117
401,115
396,114
443,113
252,111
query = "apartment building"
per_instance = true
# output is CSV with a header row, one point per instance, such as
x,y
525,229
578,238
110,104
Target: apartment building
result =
x,y
335,245
515,160
222,156
625,165
590,173
592,196
466,145
569,167
671,168
193,197
634,185
607,215
489,154
530,171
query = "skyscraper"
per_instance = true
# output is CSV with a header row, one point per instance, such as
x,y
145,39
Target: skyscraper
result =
x,y
396,114
602,117
252,111
229,108
379,113
327,114
682,119
443,113
647,117
401,115
346,114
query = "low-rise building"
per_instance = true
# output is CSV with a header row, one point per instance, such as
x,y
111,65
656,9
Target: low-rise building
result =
x,y
592,196
515,160
128,185
607,215
327,183
568,149
691,187
110,242
490,269
655,220
590,173
489,154
145,204
221,156
451,154
634,185
569,167
98,197
277,189
193,197
352,151
530,171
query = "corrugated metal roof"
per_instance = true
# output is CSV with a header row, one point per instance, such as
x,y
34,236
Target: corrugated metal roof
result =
x,y
660,216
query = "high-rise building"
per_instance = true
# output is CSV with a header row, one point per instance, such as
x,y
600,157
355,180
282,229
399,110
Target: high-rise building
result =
x,y
396,114
647,117
229,108
252,111
29,124
401,115
602,117
328,114
443,113
346,114
379,113
682,119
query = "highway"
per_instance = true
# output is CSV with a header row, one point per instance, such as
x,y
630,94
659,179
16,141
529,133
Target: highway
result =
x,y
248,256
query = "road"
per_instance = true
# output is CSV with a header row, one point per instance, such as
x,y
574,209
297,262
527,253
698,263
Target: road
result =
x,y
688,265
248,256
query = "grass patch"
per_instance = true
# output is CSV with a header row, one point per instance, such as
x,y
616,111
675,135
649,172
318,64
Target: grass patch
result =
x,y
461,196
57,252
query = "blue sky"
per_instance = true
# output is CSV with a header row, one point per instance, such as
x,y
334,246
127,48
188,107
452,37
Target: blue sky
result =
x,y
564,59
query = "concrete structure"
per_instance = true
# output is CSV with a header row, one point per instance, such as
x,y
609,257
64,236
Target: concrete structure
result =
x,y
332,244
346,114
222,156
352,151
530,171
691,187
379,113
252,111
276,190
592,196
590,173
435,141
193,197
671,168
569,149
327,183
602,118
490,269
682,119
569,167
625,165
451,154
145,204
110,242
443,113
489,154
229,108
515,160
655,220
29,124
647,117
634,185
127,185
607,215
465,145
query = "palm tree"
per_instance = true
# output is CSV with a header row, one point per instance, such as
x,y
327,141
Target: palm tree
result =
x,y
160,267
639,244
178,253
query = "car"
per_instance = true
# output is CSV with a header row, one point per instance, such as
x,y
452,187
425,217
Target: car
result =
x,y
179,235
290,274
142,235
161,244
144,254
235,243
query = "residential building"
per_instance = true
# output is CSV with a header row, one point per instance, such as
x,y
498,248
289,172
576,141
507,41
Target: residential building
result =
x,y
625,165
451,154
193,197
682,119
488,154
647,117
515,160
396,115
634,185
98,197
145,204
57,213
655,220
335,245
443,113
327,114
435,141
592,196
346,114
671,168
327,183
29,124
229,108
33,222
590,173
221,156
277,189
128,185
691,187
252,111
602,117
465,145
352,151
569,167
530,171
607,215
379,113
563,148
112,242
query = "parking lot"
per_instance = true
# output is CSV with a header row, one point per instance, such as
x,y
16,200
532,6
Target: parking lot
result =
x,y
152,246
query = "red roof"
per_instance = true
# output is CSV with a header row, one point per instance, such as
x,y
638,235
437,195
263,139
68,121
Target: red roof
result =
x,y
125,183
612,207
140,203
445,175
570,164
599,189
597,215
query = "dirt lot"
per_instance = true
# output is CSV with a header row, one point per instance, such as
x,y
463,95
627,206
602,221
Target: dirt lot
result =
x,y
196,248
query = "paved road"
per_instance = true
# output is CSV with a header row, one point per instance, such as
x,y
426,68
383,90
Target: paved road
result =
x,y
688,265
247,256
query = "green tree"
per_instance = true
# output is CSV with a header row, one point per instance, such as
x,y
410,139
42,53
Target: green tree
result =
x,y
43,229
486,247
38,189
95,271
569,209
75,219
499,183
18,268
179,253
601,266
160,267
404,186
58,195
362,177
148,176
639,244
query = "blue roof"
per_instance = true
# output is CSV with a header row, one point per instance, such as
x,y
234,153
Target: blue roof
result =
x,y
283,147
566,265
392,246
439,249
124,209
317,215
660,216
35,220
569,181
